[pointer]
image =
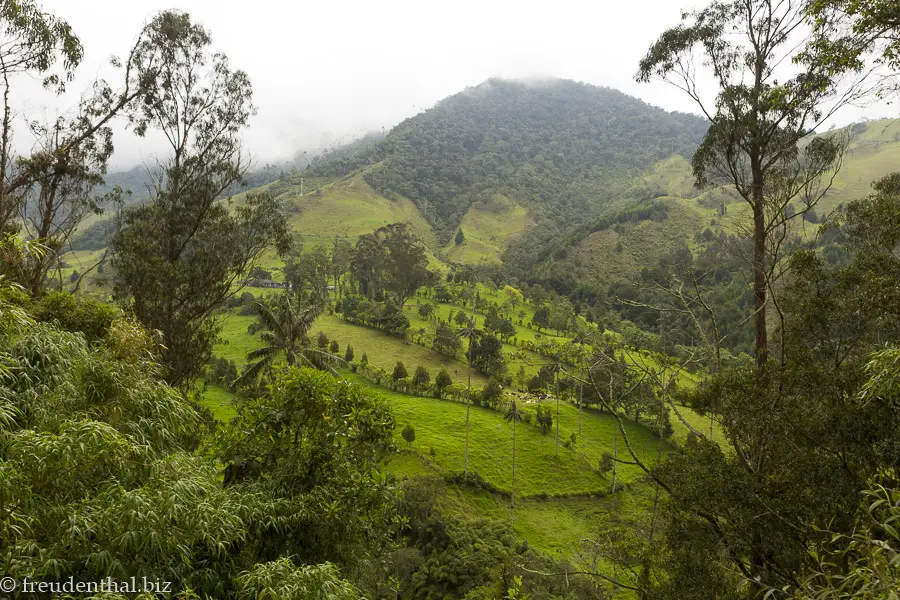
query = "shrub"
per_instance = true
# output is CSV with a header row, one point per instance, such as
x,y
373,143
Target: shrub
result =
x,y
421,379
442,381
334,347
322,340
399,371
77,313
491,394
348,354
409,434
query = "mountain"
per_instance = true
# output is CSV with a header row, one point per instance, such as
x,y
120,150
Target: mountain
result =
x,y
563,151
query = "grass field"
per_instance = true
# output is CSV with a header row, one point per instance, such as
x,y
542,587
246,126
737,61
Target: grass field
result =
x,y
539,471
488,228
349,208
384,351
219,400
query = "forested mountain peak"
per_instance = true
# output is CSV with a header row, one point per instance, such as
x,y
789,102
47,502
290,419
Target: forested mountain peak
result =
x,y
562,149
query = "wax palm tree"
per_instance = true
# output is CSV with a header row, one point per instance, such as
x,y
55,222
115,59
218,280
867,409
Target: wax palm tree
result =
x,y
286,330
581,337
470,333
513,414
555,367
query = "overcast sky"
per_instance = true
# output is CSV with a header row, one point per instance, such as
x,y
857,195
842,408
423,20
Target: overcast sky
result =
x,y
325,70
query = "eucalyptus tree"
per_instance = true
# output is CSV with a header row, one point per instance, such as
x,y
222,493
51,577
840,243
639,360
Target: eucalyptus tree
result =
x,y
850,35
33,42
182,254
768,102
49,192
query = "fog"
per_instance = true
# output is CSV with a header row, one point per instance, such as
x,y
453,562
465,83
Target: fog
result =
x,y
326,72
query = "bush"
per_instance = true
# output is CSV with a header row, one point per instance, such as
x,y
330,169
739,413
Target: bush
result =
x,y
322,340
442,381
409,434
348,354
399,371
334,348
364,361
491,394
421,379
77,313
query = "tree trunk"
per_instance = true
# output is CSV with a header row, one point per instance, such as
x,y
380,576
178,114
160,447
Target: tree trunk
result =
x,y
580,404
557,411
615,437
759,266
512,504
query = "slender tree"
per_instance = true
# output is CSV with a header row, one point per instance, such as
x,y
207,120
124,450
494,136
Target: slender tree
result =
x,y
761,114
513,415
33,42
470,333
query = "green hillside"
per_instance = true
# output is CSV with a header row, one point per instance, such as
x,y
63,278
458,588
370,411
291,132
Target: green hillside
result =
x,y
563,150
615,252
489,227
348,208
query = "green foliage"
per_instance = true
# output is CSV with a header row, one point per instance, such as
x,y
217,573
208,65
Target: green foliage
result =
x,y
541,318
485,354
179,256
399,371
408,433
286,329
446,341
77,313
810,479
176,293
532,142
348,354
426,309
442,381
383,315
311,443
283,580
460,237
421,379
544,419
445,556
849,33
308,274
492,393
766,166
392,259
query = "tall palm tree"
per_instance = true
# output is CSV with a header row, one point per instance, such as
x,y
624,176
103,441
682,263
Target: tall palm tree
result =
x,y
556,366
468,332
285,332
580,338
513,414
